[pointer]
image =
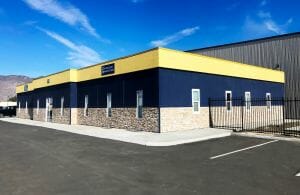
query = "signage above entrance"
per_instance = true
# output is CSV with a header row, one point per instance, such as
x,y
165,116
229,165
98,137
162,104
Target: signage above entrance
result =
x,y
108,69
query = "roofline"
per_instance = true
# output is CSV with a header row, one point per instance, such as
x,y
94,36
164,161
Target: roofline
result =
x,y
120,58
101,63
40,77
196,63
247,41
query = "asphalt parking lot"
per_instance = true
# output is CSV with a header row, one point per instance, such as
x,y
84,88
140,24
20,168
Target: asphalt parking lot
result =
x,y
36,160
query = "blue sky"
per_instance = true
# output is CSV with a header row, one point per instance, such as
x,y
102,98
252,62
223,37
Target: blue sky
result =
x,y
39,37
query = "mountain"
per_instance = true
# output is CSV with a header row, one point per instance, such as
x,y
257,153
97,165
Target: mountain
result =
x,y
8,85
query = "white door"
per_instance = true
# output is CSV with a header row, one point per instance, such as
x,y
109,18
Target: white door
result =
x,y
46,111
49,106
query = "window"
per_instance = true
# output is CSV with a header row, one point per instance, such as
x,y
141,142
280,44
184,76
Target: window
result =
x,y
108,105
196,100
19,107
37,106
228,100
268,100
86,104
62,99
247,100
49,109
139,104
26,107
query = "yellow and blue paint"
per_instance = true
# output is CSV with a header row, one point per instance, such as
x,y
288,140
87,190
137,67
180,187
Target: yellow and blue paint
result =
x,y
165,76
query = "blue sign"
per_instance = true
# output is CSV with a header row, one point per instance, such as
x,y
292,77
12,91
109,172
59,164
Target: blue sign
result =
x,y
108,69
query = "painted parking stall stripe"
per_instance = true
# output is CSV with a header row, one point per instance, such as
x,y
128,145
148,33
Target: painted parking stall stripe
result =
x,y
240,150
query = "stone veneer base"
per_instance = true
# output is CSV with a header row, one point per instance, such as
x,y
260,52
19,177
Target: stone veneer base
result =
x,y
40,115
157,120
123,118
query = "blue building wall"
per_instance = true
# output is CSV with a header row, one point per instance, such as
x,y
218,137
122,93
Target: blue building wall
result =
x,y
123,89
56,92
23,97
175,87
161,87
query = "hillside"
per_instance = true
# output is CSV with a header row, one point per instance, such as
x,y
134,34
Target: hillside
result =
x,y
8,85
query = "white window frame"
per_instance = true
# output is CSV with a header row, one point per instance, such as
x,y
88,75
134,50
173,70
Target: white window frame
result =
x,y
268,101
62,102
196,101
86,105
37,106
228,101
247,102
108,105
139,94
26,107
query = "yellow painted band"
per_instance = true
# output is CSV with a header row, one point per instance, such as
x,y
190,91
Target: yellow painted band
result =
x,y
163,58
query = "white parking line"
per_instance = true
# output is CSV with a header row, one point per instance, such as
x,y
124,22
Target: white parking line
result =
x,y
248,148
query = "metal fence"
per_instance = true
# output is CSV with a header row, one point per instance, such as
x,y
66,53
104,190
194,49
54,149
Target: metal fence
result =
x,y
256,115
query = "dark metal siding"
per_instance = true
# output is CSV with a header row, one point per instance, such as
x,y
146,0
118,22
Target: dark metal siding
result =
x,y
161,88
175,87
56,92
282,50
123,89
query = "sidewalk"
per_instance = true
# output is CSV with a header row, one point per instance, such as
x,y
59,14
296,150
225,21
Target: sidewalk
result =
x,y
142,138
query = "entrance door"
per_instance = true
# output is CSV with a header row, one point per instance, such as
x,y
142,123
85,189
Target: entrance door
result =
x,y
49,106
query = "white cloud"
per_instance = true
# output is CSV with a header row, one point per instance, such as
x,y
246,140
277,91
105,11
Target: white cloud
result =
x,y
263,3
66,13
30,23
254,28
264,25
175,37
79,55
273,27
290,21
263,14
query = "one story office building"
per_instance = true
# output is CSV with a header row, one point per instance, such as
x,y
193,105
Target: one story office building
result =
x,y
158,90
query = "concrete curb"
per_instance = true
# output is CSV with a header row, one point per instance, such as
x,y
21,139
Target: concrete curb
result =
x,y
267,136
140,138
187,141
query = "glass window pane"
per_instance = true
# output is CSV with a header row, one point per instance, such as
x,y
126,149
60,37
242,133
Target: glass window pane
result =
x,y
140,112
108,101
139,108
86,104
228,96
196,106
228,105
195,95
62,106
248,100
